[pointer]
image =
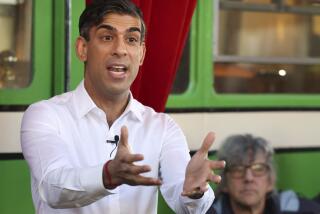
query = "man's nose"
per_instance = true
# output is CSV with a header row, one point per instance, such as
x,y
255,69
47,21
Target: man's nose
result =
x,y
248,175
120,47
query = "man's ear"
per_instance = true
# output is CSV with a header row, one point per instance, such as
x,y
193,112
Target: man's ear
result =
x,y
143,52
81,48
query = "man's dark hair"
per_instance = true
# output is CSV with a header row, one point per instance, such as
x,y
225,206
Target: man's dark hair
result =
x,y
94,13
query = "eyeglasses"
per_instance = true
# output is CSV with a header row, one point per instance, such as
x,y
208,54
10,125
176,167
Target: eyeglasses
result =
x,y
239,171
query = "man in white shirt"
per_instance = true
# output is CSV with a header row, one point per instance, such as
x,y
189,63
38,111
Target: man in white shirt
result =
x,y
78,162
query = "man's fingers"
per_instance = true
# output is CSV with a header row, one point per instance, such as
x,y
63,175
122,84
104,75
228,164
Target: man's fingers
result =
x,y
207,142
217,164
134,169
130,158
204,187
214,178
145,181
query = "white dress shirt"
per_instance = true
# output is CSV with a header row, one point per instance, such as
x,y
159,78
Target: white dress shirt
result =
x,y
64,142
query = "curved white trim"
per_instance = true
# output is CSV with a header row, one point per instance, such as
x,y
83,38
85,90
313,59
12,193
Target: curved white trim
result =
x,y
282,129
10,123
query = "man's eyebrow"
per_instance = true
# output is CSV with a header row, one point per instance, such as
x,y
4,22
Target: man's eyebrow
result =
x,y
133,29
111,28
107,27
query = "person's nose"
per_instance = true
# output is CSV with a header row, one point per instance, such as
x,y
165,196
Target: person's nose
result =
x,y
120,47
248,176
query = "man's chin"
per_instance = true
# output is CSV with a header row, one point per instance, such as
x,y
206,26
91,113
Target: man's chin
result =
x,y
249,201
249,198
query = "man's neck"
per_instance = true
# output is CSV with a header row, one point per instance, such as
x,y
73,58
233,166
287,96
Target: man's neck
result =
x,y
240,209
112,105
114,109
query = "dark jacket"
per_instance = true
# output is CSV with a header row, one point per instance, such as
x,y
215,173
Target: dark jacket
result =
x,y
286,202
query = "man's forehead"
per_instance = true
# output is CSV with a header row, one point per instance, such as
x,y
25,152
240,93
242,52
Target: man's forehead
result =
x,y
258,156
120,21
249,157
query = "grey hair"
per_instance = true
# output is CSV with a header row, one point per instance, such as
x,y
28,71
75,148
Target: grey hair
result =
x,y
236,149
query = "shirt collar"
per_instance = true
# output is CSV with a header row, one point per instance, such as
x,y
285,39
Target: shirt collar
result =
x,y
135,107
83,103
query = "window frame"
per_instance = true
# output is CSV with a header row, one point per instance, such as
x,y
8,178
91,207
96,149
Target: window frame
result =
x,y
41,64
201,93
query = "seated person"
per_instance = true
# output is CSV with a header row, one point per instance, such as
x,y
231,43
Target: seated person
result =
x,y
248,181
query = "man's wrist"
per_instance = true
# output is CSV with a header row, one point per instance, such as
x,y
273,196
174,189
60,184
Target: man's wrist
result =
x,y
107,179
196,195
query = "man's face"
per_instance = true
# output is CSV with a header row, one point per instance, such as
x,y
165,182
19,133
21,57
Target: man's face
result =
x,y
112,55
250,189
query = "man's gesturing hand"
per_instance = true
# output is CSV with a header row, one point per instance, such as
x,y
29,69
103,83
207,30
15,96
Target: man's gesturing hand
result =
x,y
122,170
200,170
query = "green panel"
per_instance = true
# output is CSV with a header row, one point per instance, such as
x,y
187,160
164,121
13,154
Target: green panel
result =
x,y
229,101
163,208
41,84
59,47
15,188
77,67
296,170
300,172
201,94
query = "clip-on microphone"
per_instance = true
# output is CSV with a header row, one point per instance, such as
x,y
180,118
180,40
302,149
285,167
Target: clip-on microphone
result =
x,y
115,141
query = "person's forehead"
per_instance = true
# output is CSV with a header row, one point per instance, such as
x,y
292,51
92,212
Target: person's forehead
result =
x,y
120,21
258,157
248,157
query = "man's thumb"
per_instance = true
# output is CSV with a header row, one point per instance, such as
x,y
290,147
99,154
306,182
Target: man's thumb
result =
x,y
124,138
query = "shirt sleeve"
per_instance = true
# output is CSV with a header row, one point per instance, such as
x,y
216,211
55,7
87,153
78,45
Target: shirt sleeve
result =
x,y
174,159
59,183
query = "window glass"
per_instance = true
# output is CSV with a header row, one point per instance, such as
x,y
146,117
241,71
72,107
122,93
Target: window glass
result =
x,y
260,34
248,78
302,2
181,81
15,43
267,51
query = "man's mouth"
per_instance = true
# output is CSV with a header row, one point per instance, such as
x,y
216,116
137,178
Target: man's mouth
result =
x,y
117,68
249,191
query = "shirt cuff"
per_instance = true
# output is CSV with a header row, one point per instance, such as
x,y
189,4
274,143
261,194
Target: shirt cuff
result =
x,y
91,180
204,202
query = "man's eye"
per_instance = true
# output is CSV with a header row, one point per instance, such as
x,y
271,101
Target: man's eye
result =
x,y
259,167
238,169
107,38
132,40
